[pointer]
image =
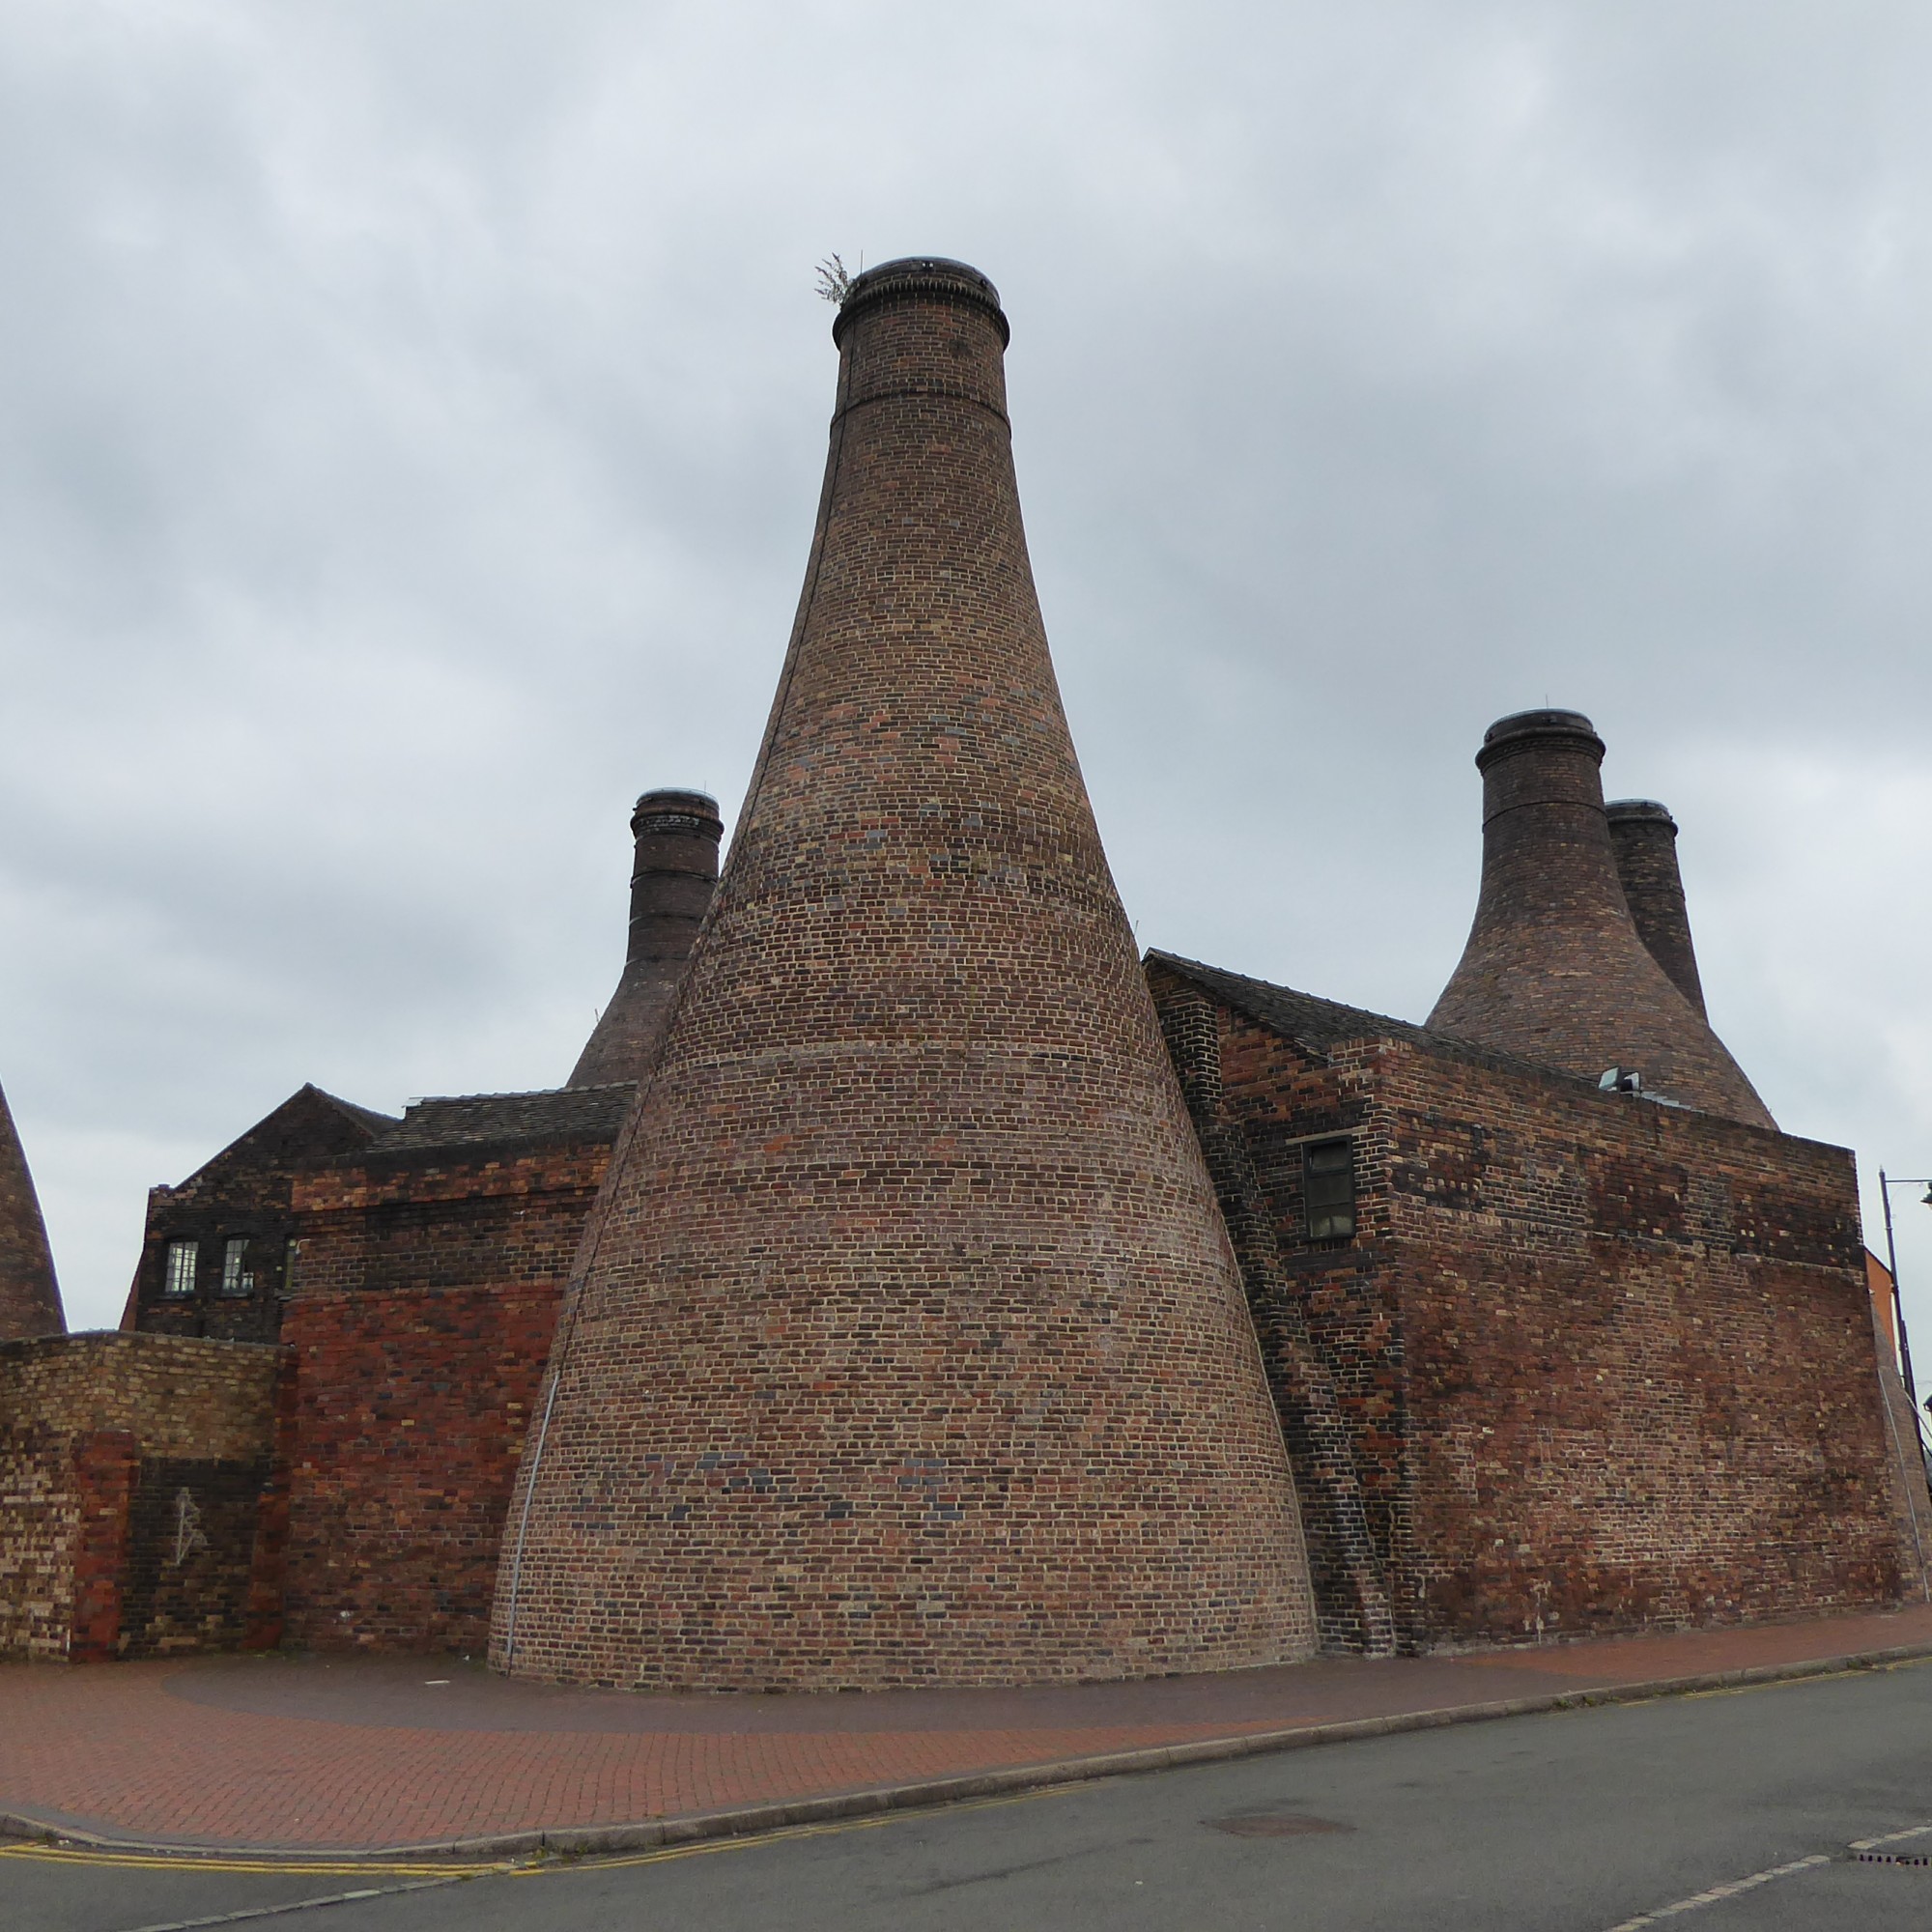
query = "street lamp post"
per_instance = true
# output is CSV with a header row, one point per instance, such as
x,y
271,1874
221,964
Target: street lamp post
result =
x,y
1886,1183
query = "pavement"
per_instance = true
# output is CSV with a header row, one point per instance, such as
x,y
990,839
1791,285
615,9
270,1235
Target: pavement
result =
x,y
367,1756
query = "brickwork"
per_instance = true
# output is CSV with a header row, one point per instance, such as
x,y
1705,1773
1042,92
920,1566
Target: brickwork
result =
x,y
30,1302
909,1346
1607,1365
234,1214
673,874
1644,837
131,1474
1555,970
426,1292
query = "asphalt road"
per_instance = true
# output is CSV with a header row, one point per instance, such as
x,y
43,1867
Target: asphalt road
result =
x,y
1578,1822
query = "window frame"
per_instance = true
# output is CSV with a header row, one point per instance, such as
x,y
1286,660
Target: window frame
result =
x,y
180,1270
1321,1221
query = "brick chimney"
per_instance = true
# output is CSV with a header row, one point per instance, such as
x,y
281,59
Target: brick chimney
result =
x,y
1554,970
1644,837
906,1345
673,877
30,1302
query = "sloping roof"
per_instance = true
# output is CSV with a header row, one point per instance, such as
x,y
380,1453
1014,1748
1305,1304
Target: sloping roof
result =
x,y
488,1120
1320,1026
310,1124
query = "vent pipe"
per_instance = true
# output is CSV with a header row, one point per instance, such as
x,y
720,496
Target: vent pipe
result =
x,y
908,1347
673,873
1554,970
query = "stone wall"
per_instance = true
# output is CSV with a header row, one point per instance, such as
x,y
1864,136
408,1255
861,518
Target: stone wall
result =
x,y
132,1469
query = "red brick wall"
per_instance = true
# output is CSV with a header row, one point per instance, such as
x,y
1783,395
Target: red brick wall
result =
x,y
410,1422
1607,1365
427,1292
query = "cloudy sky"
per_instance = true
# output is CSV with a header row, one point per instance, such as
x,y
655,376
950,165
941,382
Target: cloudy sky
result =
x,y
411,424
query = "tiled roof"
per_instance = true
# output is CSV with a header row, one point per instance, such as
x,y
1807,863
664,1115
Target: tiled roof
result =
x,y
1323,1025
485,1119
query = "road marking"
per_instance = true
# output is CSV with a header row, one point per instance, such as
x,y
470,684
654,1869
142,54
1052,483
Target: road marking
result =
x,y
1719,1893
1890,1839
297,1867
303,1904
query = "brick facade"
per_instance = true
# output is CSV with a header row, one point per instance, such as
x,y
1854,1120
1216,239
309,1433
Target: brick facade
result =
x,y
1604,1364
1554,970
132,1470
234,1223
425,1295
909,1347
30,1302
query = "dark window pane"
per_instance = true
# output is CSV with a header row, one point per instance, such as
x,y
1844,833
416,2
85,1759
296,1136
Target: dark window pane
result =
x,y
1328,1189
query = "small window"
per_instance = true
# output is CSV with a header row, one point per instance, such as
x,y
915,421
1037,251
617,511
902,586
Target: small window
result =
x,y
234,1279
291,1249
1328,1189
181,1258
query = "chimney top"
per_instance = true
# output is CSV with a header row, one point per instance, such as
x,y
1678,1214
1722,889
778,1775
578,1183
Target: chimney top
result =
x,y
1524,730
676,806
1628,808
924,275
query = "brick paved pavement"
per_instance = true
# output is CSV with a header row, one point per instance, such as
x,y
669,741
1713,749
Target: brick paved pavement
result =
x,y
365,1753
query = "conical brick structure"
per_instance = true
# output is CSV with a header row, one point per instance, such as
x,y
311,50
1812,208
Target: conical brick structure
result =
x,y
1644,836
673,873
907,1345
1554,970
30,1302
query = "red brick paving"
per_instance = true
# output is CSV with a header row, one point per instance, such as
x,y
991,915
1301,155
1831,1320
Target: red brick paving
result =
x,y
362,1752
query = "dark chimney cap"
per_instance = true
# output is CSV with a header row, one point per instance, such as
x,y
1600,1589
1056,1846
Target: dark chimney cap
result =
x,y
1627,809
920,274
1522,730
676,806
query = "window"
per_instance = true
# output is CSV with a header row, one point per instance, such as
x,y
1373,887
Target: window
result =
x,y
290,1251
179,1279
235,1280
1328,1189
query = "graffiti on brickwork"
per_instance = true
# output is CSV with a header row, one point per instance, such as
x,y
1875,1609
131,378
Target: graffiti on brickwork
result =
x,y
189,1536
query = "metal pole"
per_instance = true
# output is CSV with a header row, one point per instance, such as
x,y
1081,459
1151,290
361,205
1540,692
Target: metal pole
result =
x,y
1898,1316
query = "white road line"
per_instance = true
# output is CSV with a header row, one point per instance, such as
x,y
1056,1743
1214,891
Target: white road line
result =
x,y
1719,1893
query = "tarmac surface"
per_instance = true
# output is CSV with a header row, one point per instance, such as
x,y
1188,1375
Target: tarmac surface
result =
x,y
1768,1809
359,1754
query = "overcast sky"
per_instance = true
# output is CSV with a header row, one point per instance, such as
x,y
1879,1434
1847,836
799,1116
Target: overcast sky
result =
x,y
412,418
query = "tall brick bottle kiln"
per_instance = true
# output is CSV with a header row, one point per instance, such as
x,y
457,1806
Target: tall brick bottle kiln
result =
x,y
907,1345
30,1302
1555,970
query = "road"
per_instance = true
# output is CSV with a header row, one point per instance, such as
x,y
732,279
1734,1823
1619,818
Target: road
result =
x,y
1578,1822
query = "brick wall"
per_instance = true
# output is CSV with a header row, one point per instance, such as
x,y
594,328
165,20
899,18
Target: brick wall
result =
x,y
130,1475
1605,1365
427,1290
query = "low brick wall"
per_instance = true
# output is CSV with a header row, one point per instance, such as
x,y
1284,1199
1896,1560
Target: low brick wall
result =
x,y
131,1469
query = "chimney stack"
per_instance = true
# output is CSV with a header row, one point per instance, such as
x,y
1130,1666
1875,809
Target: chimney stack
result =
x,y
1554,970
1644,837
672,876
906,1345
30,1302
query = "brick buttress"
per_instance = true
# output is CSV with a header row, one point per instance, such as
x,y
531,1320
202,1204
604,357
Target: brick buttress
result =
x,y
1555,970
907,1345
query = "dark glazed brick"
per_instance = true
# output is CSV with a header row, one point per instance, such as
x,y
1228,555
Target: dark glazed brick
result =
x,y
907,1345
